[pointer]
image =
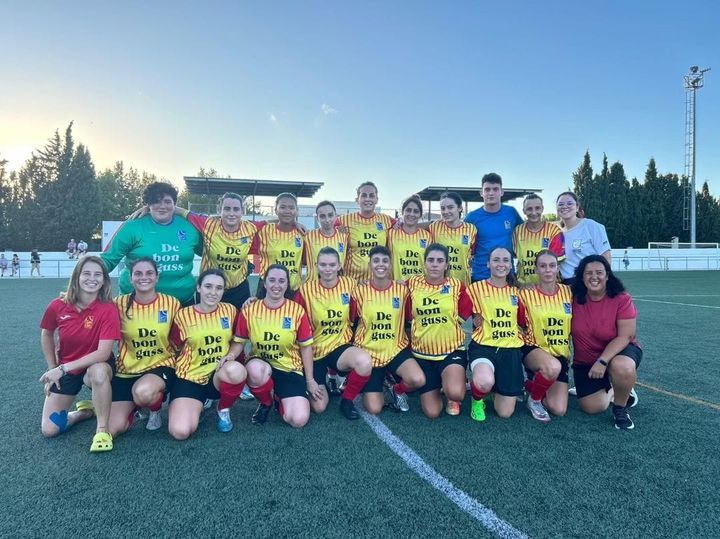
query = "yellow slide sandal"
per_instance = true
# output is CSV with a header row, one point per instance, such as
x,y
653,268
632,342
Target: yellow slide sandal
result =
x,y
84,405
102,441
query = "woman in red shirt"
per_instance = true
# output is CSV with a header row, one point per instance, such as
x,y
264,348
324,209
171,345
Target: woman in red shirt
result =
x,y
603,331
87,323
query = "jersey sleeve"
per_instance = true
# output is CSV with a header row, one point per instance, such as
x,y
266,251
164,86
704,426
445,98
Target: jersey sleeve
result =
x,y
177,335
557,245
49,319
408,308
465,307
300,300
521,314
242,331
121,243
304,332
599,238
198,220
626,308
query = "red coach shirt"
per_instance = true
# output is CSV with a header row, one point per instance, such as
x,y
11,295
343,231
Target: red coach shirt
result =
x,y
81,332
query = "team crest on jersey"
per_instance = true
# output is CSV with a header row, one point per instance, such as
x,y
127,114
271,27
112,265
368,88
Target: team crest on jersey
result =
x,y
577,245
423,243
508,225
445,289
224,322
182,235
568,308
88,322
162,317
298,242
341,247
379,226
514,301
287,322
244,239
465,239
345,298
396,303
545,243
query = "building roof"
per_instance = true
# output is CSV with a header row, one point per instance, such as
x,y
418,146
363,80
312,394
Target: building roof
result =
x,y
472,194
248,187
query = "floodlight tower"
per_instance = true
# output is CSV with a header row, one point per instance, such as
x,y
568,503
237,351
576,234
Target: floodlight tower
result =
x,y
694,80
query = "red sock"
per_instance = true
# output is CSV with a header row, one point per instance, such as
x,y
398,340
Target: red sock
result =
x,y
400,388
131,416
476,393
528,386
229,393
540,387
263,393
355,384
281,409
155,406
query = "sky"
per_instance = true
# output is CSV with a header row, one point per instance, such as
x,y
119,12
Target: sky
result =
x,y
407,94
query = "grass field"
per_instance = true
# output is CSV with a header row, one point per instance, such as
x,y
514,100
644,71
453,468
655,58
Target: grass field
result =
x,y
576,476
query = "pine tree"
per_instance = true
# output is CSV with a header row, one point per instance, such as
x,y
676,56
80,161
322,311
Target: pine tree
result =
x,y
616,206
583,177
81,216
708,216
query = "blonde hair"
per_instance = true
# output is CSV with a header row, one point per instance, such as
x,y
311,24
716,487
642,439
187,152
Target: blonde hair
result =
x,y
73,289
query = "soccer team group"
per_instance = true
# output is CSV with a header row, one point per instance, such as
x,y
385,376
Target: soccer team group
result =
x,y
379,313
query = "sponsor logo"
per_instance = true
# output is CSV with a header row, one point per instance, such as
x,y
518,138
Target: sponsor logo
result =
x,y
244,239
65,317
341,247
423,243
287,322
508,225
298,242
224,322
379,226
545,243
568,308
445,289
396,303
182,235
162,317
465,239
514,301
345,298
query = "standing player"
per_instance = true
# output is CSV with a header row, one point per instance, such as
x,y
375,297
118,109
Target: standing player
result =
x,y
15,262
329,305
325,236
381,306
407,243
145,366
438,305
205,366
494,222
3,264
548,307
87,326
458,236
495,351
281,339
35,263
533,236
367,229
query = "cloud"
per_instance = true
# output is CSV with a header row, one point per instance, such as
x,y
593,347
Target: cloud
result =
x,y
327,109
273,119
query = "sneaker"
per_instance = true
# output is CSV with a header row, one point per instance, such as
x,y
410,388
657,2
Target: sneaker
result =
x,y
347,407
341,383
537,410
401,401
477,412
572,391
224,423
246,395
140,415
332,384
632,399
452,407
207,404
154,421
622,418
261,414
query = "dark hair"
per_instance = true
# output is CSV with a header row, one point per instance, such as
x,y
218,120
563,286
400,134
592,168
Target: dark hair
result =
x,y
234,196
155,192
285,195
366,184
454,196
491,177
580,210
378,250
331,252
130,267
262,291
325,203
532,196
511,278
613,287
412,198
543,253
211,271
437,247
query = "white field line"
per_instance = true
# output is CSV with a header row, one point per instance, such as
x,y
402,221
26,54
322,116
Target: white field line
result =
x,y
677,303
677,296
466,503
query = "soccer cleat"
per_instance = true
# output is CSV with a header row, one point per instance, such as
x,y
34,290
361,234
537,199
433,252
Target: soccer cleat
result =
x,y
207,404
332,384
632,399
224,423
341,383
572,391
452,407
537,410
347,407
477,412
400,400
261,414
154,421
246,395
622,418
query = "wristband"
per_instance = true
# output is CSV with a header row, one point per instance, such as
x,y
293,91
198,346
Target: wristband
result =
x,y
602,362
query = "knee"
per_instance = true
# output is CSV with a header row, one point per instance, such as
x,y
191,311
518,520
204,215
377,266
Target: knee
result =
x,y
180,432
143,395
416,380
363,364
49,430
319,406
558,411
297,419
623,372
373,408
551,371
505,414
235,372
432,412
484,384
99,374
455,392
593,408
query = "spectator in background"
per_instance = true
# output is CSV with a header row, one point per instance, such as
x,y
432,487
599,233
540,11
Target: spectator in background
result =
x,y
72,249
3,264
626,260
15,265
82,248
35,263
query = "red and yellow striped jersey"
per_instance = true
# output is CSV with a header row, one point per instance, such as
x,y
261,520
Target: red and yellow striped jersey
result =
x,y
364,235
225,250
437,313
407,252
276,335
277,247
330,311
316,240
203,339
145,342
502,314
460,242
381,327
549,319
527,244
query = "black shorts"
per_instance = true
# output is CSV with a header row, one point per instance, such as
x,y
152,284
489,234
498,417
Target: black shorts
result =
x,y
71,384
585,385
289,384
237,295
122,386
507,366
377,376
320,366
564,365
190,390
433,369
